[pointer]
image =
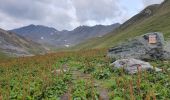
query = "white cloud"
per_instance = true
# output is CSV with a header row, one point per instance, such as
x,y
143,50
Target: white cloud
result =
x,y
97,10
149,2
64,14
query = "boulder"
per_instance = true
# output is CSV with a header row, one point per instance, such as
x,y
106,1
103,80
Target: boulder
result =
x,y
131,65
148,46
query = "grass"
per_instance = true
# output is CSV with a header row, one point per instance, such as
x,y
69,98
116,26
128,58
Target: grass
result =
x,y
78,75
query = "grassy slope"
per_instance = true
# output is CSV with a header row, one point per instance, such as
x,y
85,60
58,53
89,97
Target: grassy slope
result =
x,y
140,24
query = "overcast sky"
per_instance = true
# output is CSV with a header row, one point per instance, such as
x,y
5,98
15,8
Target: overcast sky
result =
x,y
68,14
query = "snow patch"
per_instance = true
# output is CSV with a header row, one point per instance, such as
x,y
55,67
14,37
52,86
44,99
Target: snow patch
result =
x,y
67,45
42,38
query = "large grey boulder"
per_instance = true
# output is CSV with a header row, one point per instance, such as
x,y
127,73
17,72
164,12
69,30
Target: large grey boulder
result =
x,y
142,47
131,65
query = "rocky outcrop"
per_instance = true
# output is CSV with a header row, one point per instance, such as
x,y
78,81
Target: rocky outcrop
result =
x,y
149,46
132,66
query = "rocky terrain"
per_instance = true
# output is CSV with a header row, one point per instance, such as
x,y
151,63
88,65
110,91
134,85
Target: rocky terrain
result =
x,y
141,48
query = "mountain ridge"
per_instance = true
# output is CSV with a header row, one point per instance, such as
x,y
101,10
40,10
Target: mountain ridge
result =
x,y
49,36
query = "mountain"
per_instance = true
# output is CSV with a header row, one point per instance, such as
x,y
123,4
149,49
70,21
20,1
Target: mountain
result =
x,y
153,18
85,32
38,33
14,45
51,37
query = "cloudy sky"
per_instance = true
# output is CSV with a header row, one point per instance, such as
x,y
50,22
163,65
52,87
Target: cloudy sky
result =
x,y
68,14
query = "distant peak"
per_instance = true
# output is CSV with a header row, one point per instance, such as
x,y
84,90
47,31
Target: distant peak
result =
x,y
31,25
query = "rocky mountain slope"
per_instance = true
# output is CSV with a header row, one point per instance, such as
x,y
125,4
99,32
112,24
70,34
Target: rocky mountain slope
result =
x,y
14,45
54,38
154,18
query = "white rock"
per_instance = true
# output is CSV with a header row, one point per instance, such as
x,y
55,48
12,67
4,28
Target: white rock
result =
x,y
131,65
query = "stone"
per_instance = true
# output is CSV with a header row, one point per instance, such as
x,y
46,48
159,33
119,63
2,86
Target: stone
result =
x,y
131,65
148,46
65,96
103,95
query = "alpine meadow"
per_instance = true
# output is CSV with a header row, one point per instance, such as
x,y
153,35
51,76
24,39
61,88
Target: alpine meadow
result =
x,y
89,55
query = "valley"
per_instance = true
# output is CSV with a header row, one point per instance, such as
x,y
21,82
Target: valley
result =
x,y
127,61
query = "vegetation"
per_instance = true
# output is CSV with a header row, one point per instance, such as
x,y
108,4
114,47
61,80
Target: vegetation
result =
x,y
79,75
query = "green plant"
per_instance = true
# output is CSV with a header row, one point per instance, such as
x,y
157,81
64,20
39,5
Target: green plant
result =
x,y
102,73
84,90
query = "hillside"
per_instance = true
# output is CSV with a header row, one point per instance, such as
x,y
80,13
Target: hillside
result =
x,y
50,37
153,18
14,45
